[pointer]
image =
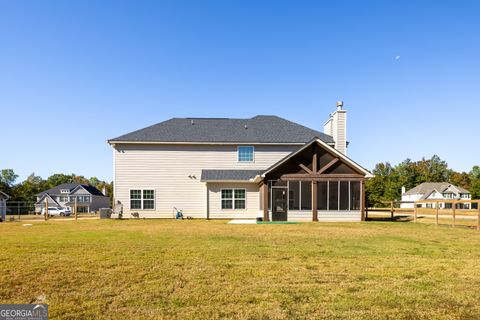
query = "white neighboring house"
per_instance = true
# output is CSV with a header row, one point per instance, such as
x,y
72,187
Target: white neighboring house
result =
x,y
221,168
3,205
435,191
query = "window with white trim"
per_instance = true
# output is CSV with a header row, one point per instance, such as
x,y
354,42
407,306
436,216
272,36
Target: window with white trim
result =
x,y
245,154
233,199
142,199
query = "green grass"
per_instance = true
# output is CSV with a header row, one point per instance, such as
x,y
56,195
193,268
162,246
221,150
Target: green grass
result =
x,y
151,269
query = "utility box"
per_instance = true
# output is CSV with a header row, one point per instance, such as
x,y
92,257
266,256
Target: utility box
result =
x,y
105,213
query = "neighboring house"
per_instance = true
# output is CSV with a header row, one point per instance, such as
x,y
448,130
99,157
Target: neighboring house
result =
x,y
435,191
88,198
3,205
220,168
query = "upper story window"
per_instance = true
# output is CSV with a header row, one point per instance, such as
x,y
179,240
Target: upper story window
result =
x,y
465,196
64,191
246,154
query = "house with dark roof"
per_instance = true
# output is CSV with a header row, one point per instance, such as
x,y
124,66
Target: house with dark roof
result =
x,y
435,191
86,197
220,168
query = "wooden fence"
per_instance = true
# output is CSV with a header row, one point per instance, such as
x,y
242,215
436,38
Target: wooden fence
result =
x,y
455,214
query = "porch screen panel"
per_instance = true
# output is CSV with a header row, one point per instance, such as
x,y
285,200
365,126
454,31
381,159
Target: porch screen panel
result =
x,y
306,202
354,195
294,195
333,195
322,195
344,195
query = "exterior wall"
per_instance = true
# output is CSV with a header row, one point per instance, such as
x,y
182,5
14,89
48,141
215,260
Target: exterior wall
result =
x,y
166,169
252,210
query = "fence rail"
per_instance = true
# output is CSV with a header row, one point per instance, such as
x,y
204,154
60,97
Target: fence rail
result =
x,y
455,214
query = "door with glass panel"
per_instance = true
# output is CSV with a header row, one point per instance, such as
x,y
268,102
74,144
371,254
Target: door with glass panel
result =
x,y
279,204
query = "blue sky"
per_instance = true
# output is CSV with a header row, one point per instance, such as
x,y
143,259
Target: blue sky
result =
x,y
74,74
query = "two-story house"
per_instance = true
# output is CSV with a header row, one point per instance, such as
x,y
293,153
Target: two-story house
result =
x,y
219,168
87,198
435,191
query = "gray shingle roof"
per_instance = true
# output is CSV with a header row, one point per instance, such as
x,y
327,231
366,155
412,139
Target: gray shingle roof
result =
x,y
70,187
428,187
259,129
229,175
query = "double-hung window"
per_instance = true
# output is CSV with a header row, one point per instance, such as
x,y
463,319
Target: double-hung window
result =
x,y
246,154
142,199
234,199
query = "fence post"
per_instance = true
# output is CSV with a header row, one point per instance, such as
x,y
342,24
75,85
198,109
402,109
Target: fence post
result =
x,y
478,215
46,209
391,210
436,213
415,211
18,210
453,213
75,208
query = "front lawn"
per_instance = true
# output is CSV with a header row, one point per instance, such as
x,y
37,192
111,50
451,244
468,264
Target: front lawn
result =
x,y
142,269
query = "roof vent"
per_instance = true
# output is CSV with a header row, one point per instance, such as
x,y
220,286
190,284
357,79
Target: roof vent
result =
x,y
193,122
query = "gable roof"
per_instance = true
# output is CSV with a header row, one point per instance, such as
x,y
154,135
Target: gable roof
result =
x,y
51,200
229,175
71,186
259,129
427,188
330,149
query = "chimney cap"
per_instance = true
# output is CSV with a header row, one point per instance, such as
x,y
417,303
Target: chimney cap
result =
x,y
339,104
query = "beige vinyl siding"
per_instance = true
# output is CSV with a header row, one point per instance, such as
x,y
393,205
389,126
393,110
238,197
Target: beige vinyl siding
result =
x,y
166,169
252,201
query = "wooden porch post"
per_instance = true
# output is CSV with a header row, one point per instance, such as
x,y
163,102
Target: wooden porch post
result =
x,y
314,201
265,201
362,200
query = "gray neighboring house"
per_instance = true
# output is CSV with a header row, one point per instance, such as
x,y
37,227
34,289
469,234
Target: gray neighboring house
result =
x,y
3,205
89,199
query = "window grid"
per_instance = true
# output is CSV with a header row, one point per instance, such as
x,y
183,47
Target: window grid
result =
x,y
142,199
246,154
233,199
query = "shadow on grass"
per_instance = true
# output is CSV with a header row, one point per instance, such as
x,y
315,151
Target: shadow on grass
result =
x,y
389,219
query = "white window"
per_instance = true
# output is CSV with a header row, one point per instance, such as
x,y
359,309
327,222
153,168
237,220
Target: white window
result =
x,y
246,154
142,199
64,191
233,198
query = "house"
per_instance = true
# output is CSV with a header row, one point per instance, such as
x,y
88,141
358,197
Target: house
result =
x,y
88,198
3,205
221,168
435,191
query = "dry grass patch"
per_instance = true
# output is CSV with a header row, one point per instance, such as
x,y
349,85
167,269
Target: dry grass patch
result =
x,y
207,269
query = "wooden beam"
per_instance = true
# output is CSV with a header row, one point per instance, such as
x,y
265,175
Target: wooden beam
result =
x,y
304,167
321,177
314,201
314,162
436,213
265,201
328,165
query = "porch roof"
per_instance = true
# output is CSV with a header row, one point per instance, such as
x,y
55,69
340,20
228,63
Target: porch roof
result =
x,y
230,175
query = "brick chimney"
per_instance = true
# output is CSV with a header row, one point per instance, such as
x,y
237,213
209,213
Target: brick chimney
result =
x,y
336,126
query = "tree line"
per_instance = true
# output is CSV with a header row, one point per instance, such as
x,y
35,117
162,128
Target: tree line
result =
x,y
388,181
28,189
385,186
